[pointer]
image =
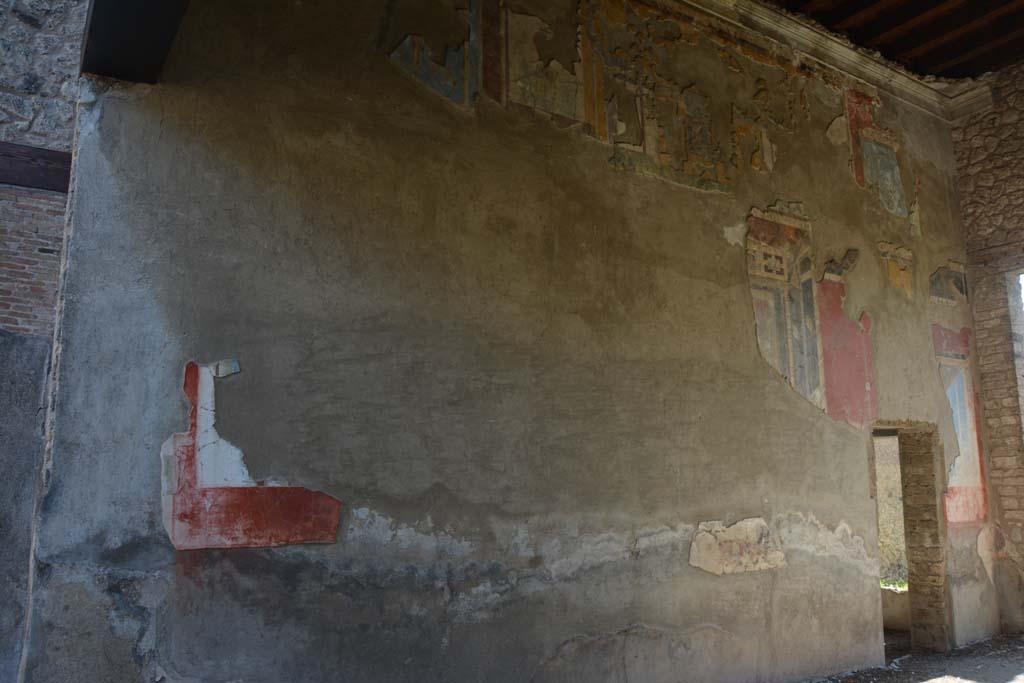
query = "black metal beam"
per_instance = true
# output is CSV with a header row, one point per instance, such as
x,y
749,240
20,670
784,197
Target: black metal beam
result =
x,y
129,39
43,169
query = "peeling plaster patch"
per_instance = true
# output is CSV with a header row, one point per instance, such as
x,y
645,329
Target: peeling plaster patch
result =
x,y
735,235
798,531
837,131
566,557
368,527
746,546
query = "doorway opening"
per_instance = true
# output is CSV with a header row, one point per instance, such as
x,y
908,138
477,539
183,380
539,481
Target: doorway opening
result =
x,y
907,481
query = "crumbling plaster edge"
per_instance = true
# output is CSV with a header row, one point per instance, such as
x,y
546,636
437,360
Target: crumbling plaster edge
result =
x,y
949,100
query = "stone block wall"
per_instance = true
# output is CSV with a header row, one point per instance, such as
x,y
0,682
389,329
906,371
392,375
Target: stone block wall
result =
x,y
40,42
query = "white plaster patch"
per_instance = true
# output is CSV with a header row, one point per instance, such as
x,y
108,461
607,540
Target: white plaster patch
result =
x,y
221,463
987,550
736,235
585,552
746,546
802,532
373,528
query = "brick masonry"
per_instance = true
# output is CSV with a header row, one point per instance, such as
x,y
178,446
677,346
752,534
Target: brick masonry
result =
x,y
990,158
31,229
40,42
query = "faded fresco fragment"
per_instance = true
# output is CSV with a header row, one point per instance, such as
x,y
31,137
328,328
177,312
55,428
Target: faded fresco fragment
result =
x,y
454,74
899,266
874,152
626,73
782,288
848,357
948,284
965,500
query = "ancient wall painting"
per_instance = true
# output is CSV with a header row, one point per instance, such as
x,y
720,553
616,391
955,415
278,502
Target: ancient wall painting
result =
x,y
965,501
873,150
746,546
899,266
848,356
948,284
208,498
618,70
456,74
782,287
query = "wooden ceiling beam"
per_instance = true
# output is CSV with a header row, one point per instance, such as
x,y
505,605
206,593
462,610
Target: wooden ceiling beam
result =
x,y
948,60
868,12
905,20
992,61
815,6
970,19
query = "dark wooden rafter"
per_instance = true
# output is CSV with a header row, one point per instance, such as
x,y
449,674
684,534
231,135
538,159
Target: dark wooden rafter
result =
x,y
1002,50
899,23
955,38
869,12
42,169
960,24
129,39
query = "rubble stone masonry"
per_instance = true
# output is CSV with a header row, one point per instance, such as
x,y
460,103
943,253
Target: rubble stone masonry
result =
x,y
990,151
40,44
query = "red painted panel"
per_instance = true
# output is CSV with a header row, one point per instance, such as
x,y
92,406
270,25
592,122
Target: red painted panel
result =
x,y
241,516
965,504
950,342
860,114
848,359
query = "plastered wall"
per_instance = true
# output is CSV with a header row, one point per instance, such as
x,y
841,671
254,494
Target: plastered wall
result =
x,y
586,324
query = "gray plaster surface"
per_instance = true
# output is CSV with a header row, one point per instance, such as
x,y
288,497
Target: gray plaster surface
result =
x,y
23,362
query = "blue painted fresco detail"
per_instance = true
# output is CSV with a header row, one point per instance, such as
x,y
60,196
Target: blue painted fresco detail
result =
x,y
882,170
458,79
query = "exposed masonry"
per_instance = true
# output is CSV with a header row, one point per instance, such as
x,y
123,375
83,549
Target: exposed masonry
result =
x,y
31,229
926,544
40,43
989,149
